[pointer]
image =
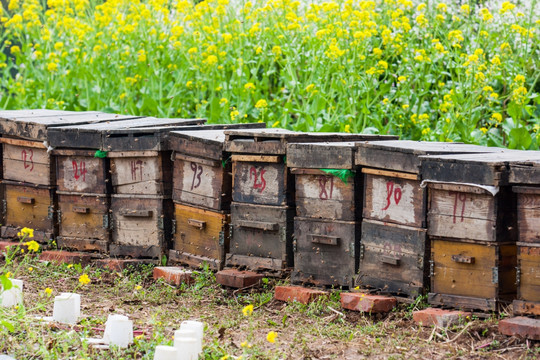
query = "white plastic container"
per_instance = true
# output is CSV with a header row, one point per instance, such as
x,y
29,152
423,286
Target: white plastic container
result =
x,y
118,331
67,308
13,296
188,348
198,328
164,352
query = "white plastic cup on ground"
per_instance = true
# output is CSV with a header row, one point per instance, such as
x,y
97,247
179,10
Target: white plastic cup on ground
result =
x,y
67,307
188,348
196,326
118,331
164,352
13,296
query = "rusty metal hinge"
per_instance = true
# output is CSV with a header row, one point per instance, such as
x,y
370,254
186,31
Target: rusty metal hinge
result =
x,y
420,262
231,228
173,226
4,207
351,249
518,275
294,246
59,216
106,222
431,268
362,250
222,238
161,223
50,214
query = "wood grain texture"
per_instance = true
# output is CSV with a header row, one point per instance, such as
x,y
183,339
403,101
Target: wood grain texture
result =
x,y
525,173
30,206
529,273
395,200
28,164
457,212
81,216
326,252
148,173
325,196
202,182
201,233
339,155
249,239
491,274
393,258
528,213
521,307
140,222
262,183
81,172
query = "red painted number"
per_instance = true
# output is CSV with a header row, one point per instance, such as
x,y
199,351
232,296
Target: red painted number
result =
x,y
27,158
261,185
136,166
392,190
197,172
79,170
458,198
324,194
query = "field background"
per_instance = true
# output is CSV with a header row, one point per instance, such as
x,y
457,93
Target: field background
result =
x,y
443,71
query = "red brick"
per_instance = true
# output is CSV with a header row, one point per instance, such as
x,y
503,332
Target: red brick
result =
x,y
238,279
65,257
121,264
297,293
521,327
439,317
173,275
367,303
5,244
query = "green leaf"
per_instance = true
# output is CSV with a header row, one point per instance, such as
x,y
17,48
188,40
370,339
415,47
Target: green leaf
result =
x,y
8,325
6,283
520,139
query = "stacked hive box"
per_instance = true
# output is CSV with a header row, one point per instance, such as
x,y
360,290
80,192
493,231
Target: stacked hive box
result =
x,y
472,228
394,252
115,201
202,195
528,245
29,168
263,207
328,203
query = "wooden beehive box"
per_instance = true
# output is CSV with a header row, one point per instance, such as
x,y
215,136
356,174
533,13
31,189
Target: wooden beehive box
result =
x,y
263,195
328,199
29,205
84,222
202,194
27,161
141,225
528,279
81,171
394,213
472,225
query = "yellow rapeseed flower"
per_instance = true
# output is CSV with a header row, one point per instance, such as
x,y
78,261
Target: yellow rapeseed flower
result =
x,y
247,310
261,104
271,337
84,279
26,232
15,49
276,50
32,246
497,117
48,291
249,86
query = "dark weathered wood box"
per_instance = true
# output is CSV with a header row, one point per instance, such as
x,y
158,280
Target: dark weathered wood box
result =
x,y
528,280
472,275
199,236
84,222
260,237
328,204
393,258
29,205
469,212
27,161
528,213
80,171
141,225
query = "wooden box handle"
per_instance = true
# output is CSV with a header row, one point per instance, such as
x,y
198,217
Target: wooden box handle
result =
x,y
136,213
260,225
323,239
81,210
25,200
390,260
196,223
463,259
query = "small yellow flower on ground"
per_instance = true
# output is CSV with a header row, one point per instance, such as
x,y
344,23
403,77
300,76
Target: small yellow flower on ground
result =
x,y
271,337
48,291
138,287
32,246
247,310
84,279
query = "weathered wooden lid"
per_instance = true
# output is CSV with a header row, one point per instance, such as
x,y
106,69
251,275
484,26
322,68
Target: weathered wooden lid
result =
x,y
483,169
35,124
525,172
404,155
274,141
324,155
147,133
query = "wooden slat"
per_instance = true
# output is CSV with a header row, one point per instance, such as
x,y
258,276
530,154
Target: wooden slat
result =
x,y
257,158
394,174
25,143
